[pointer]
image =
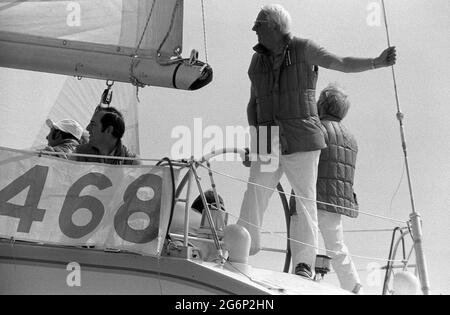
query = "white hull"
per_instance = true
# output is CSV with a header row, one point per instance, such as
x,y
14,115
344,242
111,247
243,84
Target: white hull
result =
x,y
40,269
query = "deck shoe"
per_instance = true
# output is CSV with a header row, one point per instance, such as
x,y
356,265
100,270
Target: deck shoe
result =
x,y
303,270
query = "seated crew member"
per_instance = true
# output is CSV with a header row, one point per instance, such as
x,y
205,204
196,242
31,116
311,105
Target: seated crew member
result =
x,y
64,136
106,130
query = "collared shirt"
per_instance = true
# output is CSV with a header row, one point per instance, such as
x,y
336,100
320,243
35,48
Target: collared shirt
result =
x,y
119,151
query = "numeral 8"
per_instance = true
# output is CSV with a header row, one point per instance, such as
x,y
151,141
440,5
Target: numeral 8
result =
x,y
133,204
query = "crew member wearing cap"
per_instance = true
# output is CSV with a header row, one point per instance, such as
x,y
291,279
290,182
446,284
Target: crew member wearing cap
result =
x,y
64,136
106,130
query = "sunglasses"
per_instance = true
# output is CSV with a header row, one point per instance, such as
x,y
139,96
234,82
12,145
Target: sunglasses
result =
x,y
258,23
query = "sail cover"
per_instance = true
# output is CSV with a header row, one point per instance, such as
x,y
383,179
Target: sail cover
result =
x,y
135,41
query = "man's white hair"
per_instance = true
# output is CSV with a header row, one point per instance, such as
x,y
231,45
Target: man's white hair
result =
x,y
278,16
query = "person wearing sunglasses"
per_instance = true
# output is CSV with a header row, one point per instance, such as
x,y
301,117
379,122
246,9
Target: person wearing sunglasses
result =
x,y
283,74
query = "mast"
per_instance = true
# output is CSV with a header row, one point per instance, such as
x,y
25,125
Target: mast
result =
x,y
416,222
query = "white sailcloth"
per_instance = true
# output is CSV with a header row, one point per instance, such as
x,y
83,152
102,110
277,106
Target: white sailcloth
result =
x,y
132,41
102,39
108,22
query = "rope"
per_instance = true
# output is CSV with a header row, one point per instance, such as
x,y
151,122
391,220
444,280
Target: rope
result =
x,y
145,28
397,189
350,231
204,31
134,59
306,199
85,155
177,4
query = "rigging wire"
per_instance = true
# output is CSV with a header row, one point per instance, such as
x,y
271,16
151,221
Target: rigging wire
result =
x,y
145,27
397,189
349,231
204,30
62,154
396,221
134,59
315,247
232,215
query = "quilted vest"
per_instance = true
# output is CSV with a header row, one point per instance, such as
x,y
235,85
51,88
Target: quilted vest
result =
x,y
285,97
337,169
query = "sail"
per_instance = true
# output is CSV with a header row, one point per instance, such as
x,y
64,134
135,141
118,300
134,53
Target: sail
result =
x,y
142,39
27,99
78,99
130,41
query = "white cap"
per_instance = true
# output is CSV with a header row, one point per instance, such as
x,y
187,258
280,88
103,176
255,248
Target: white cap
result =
x,y
67,126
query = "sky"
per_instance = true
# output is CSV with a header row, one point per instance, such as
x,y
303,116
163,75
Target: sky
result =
x,y
347,28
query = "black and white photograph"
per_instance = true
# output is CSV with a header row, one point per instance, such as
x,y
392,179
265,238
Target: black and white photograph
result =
x,y
224,153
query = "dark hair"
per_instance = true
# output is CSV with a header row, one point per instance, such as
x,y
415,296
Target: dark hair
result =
x,y
114,118
209,194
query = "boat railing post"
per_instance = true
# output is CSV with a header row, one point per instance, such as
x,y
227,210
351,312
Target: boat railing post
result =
x,y
416,224
393,254
208,213
224,220
187,209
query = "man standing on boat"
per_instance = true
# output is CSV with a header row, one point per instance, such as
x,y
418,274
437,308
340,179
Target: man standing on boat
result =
x,y
336,176
64,136
106,130
283,74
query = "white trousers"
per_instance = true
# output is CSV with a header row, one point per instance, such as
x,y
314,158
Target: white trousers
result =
x,y
331,228
301,170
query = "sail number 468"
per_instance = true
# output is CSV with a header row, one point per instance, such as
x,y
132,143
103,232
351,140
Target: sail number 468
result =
x,y
36,178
